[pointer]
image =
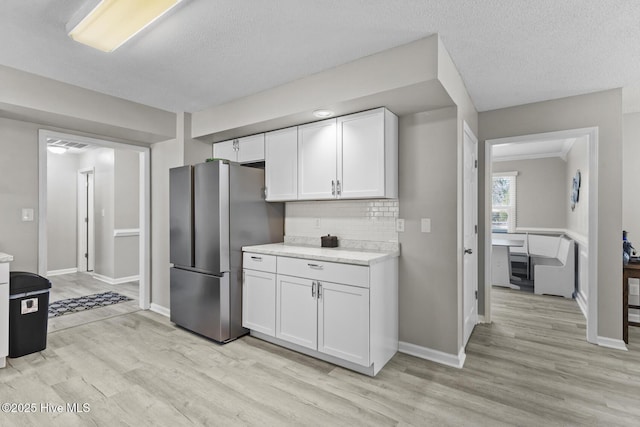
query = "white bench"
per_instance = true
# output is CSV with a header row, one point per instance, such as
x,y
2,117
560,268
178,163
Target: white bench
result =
x,y
553,259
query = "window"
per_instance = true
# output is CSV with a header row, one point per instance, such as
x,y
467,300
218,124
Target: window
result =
x,y
503,213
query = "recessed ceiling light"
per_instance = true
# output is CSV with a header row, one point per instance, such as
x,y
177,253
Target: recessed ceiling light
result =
x,y
57,150
112,22
323,114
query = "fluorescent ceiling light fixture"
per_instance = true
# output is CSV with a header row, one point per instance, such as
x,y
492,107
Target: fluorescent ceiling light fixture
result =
x,y
56,150
323,114
112,22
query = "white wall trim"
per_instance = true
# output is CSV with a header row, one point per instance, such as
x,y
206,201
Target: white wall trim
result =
x,y
592,239
615,344
112,281
62,271
145,205
125,232
156,308
456,361
481,319
582,303
559,154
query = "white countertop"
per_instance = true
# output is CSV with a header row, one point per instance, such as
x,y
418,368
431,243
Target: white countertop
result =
x,y
5,257
344,256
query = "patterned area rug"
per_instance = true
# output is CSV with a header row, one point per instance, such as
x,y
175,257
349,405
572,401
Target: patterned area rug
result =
x,y
73,305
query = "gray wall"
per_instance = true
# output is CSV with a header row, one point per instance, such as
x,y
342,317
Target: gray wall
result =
x,y
601,109
164,155
428,265
19,189
541,191
126,212
62,225
631,177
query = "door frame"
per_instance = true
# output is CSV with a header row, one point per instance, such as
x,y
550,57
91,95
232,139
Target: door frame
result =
x,y
90,235
468,133
591,312
145,204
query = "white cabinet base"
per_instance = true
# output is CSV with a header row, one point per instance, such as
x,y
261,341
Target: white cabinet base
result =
x,y
366,370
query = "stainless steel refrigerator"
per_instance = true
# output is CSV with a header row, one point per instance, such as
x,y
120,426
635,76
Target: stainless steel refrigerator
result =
x,y
216,208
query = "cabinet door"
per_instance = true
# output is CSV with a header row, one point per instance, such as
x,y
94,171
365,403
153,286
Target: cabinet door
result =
x,y
296,311
343,322
361,155
281,164
317,156
259,301
251,149
225,150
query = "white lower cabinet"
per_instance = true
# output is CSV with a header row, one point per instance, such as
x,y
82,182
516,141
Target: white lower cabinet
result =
x,y
343,322
342,313
259,293
259,301
4,313
296,311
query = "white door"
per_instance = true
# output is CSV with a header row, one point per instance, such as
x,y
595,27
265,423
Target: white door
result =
x,y
281,164
225,150
343,322
317,156
470,223
297,311
259,301
85,217
361,155
251,149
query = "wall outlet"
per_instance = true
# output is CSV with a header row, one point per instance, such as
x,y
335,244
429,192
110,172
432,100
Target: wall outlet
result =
x,y
27,214
316,223
425,225
400,225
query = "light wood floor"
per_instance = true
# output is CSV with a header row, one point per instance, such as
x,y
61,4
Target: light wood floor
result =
x,y
531,367
82,284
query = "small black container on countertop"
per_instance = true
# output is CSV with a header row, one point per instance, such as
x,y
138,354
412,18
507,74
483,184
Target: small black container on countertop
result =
x,y
329,241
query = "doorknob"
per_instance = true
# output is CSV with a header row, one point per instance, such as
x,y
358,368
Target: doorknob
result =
x,y
468,251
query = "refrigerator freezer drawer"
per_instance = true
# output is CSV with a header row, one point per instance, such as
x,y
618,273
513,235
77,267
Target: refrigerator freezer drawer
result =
x,y
198,303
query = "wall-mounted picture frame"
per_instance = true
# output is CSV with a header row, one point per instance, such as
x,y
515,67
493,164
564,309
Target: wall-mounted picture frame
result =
x,y
575,189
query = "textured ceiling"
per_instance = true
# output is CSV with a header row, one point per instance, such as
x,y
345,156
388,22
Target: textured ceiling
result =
x,y
207,52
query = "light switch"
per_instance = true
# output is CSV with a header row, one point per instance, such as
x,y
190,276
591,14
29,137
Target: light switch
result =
x,y
316,223
400,225
27,214
425,225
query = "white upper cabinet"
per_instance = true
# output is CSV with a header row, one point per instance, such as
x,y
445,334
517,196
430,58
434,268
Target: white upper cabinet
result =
x,y
317,155
368,155
281,164
225,150
249,149
351,157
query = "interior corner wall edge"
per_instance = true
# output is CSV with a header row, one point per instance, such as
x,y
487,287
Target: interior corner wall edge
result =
x,y
599,109
28,97
631,177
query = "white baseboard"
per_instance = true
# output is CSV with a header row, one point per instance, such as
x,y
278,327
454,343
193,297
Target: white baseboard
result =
x,y
63,271
456,361
112,281
612,343
481,319
164,311
582,303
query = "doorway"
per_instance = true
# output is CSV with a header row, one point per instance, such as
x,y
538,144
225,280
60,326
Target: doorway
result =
x,y
86,220
84,177
587,300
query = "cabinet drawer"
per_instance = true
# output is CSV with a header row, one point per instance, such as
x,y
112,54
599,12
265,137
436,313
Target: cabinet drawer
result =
x,y
259,262
355,275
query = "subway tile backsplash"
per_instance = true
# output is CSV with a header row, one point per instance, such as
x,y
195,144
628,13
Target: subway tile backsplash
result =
x,y
350,220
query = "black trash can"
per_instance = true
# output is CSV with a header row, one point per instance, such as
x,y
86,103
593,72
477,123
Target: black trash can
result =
x,y
28,313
